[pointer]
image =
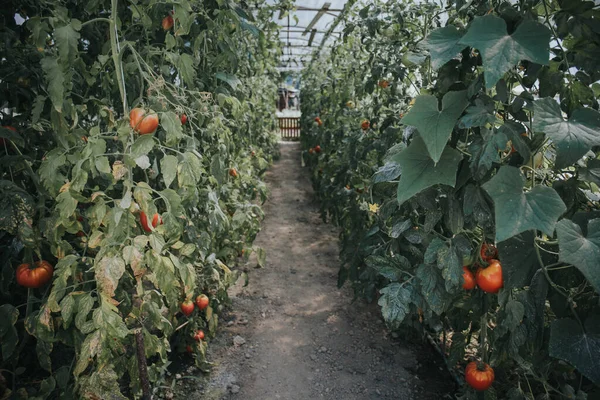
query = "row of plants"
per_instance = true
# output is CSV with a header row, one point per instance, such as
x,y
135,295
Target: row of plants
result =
x,y
134,135
456,146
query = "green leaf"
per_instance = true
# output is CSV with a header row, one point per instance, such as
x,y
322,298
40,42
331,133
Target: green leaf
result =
x,y
66,204
569,342
107,318
581,251
189,170
395,303
142,146
517,211
168,166
56,81
421,172
479,114
9,337
185,65
515,311
572,138
400,227
432,287
443,45
102,165
386,173
501,51
451,266
67,40
171,123
108,272
435,125
230,79
513,130
485,151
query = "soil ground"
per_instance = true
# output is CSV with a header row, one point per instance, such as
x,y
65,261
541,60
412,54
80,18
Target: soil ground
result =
x,y
291,334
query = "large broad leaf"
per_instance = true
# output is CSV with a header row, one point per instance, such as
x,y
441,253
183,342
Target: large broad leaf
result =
x,y
519,260
570,343
581,251
185,65
420,171
394,302
435,125
517,211
481,113
443,45
501,51
572,138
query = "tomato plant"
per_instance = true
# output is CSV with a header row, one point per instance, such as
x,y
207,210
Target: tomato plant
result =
x,y
98,101
441,183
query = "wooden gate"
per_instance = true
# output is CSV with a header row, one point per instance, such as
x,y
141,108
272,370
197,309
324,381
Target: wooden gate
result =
x,y
289,128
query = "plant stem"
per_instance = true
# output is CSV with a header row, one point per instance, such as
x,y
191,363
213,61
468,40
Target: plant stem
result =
x,y
114,44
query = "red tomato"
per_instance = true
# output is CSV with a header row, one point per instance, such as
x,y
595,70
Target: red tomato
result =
x,y
479,375
490,279
142,122
469,279
167,22
233,173
383,84
365,124
34,277
188,348
202,301
199,335
156,220
183,119
488,252
187,308
317,149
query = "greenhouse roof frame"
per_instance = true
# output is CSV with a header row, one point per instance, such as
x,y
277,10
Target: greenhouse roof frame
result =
x,y
306,29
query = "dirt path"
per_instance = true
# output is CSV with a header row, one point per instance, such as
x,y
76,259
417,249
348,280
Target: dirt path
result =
x,y
303,338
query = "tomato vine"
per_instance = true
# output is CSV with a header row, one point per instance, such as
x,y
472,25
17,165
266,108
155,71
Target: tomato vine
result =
x,y
134,213
482,129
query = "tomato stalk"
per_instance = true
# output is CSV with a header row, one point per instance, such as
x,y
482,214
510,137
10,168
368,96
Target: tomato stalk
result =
x,y
114,44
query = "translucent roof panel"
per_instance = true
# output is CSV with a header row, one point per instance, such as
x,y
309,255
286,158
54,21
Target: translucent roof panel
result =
x,y
303,30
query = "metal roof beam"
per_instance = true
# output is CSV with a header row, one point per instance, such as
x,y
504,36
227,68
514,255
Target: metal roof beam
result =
x,y
317,17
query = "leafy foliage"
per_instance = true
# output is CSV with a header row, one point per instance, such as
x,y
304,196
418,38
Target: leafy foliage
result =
x,y
487,134
75,178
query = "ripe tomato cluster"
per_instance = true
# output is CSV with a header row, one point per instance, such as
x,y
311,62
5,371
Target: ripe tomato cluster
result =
x,y
187,306
156,220
142,121
488,279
